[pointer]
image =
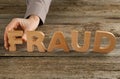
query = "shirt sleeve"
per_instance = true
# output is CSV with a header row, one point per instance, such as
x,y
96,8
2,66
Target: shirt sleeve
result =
x,y
37,7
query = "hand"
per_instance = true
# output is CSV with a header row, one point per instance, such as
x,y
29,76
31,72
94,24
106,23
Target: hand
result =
x,y
29,24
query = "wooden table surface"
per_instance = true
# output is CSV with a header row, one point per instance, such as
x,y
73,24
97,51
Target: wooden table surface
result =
x,y
64,15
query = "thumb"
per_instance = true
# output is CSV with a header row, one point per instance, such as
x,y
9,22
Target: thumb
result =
x,y
24,37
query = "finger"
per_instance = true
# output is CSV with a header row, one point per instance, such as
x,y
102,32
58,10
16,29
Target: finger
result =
x,y
6,45
10,27
14,24
24,37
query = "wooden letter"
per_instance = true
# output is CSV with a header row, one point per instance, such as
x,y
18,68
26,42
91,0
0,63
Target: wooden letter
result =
x,y
13,40
35,38
75,44
98,38
58,41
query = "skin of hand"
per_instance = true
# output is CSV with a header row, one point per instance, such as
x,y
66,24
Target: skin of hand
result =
x,y
29,24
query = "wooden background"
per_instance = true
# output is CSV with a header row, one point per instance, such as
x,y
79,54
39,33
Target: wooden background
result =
x,y
64,15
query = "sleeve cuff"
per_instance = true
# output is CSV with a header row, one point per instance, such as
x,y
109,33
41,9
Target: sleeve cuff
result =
x,y
37,8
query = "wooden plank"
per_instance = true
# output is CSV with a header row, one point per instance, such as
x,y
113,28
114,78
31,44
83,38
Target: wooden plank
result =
x,y
84,7
10,16
61,75
87,2
14,2
73,11
67,20
66,2
60,67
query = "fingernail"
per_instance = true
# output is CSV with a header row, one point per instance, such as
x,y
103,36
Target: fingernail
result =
x,y
6,48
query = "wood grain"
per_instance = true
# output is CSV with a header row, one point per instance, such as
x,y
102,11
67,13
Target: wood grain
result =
x,y
60,67
64,15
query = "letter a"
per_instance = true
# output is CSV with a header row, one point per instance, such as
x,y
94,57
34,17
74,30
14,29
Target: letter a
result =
x,y
58,41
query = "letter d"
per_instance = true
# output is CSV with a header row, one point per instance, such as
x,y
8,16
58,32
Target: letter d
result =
x,y
98,38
